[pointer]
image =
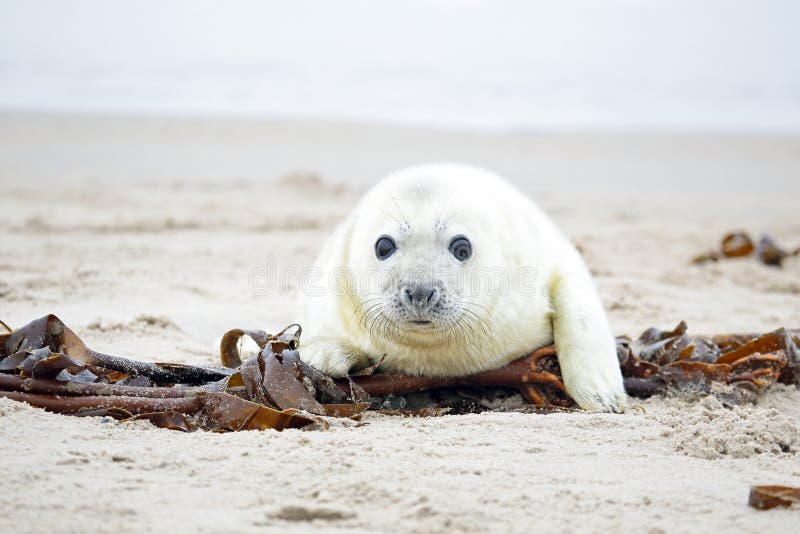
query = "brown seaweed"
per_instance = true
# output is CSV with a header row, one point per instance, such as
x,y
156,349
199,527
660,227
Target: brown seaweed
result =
x,y
736,245
767,497
749,364
45,364
769,253
741,245
39,361
536,376
49,333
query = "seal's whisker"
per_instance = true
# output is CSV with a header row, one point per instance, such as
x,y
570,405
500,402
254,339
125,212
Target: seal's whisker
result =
x,y
451,217
438,223
369,310
402,213
479,321
481,318
395,219
466,324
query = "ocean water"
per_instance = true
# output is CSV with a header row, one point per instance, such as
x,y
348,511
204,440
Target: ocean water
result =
x,y
473,64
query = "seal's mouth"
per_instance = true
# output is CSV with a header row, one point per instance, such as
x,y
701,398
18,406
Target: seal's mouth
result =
x,y
420,325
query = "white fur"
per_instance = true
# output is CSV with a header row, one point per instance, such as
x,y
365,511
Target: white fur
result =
x,y
422,208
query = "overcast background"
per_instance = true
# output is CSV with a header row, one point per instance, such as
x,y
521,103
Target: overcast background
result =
x,y
485,65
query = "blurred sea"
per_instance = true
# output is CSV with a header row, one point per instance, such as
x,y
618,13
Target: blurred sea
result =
x,y
474,64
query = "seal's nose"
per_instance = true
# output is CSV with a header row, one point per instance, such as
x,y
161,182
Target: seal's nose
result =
x,y
419,297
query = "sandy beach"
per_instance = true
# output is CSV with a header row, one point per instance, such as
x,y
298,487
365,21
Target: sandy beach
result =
x,y
141,233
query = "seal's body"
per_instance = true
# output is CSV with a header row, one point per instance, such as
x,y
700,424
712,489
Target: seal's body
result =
x,y
448,270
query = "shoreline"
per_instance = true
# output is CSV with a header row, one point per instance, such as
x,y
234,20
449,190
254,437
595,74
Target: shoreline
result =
x,y
152,149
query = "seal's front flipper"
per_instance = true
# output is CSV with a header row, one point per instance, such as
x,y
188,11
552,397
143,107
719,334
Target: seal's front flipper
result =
x,y
332,356
586,349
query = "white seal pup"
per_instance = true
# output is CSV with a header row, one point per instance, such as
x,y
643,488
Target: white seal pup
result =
x,y
448,270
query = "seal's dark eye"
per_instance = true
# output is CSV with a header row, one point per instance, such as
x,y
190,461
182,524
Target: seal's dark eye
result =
x,y
461,248
384,247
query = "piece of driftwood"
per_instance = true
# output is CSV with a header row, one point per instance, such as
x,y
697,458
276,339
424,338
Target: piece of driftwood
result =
x,y
741,245
47,365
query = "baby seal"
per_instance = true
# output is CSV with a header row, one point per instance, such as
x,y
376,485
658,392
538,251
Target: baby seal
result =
x,y
448,270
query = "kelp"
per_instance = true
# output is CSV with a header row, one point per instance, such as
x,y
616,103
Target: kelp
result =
x,y
47,365
741,245
537,377
768,497
661,361
46,346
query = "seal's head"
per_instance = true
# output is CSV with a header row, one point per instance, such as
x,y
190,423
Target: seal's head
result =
x,y
428,265
415,271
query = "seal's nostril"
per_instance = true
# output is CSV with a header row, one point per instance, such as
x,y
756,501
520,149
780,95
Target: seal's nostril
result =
x,y
430,296
407,297
434,297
